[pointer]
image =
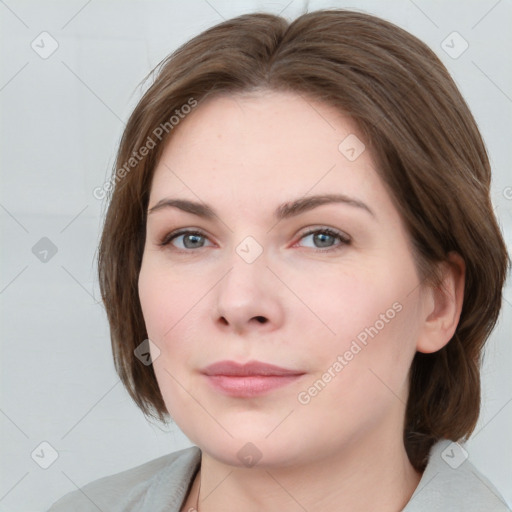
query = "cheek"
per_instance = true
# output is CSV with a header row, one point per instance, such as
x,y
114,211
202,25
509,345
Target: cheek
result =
x,y
168,302
351,305
170,307
371,319
363,374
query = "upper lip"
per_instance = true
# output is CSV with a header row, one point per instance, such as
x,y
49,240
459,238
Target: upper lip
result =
x,y
251,368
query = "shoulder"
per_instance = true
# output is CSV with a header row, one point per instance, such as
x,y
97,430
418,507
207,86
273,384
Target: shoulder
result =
x,y
450,482
153,486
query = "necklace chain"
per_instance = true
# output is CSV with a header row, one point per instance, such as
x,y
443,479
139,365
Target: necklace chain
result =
x,y
198,491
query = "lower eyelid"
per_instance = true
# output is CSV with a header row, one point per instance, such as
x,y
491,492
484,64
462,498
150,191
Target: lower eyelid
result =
x,y
340,243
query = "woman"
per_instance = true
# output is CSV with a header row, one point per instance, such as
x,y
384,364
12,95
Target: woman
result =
x,y
301,265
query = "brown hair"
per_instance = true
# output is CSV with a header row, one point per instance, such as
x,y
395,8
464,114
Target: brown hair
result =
x,y
429,152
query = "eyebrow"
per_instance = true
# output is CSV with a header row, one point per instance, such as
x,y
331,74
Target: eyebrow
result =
x,y
284,211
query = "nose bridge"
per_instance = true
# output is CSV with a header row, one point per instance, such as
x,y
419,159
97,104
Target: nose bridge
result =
x,y
247,291
246,278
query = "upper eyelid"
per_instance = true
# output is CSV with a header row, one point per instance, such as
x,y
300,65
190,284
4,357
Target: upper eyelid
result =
x,y
170,236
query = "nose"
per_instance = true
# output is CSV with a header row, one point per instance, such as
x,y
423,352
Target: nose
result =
x,y
248,298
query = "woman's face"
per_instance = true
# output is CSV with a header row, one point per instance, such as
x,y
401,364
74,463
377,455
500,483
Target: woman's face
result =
x,y
261,281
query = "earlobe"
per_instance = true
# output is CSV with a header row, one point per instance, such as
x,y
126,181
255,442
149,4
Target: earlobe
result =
x,y
442,313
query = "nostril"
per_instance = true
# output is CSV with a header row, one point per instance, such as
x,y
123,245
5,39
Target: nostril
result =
x,y
261,319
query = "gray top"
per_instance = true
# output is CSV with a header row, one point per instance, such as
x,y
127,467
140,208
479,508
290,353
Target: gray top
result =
x,y
450,483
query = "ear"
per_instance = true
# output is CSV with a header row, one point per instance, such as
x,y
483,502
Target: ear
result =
x,y
442,306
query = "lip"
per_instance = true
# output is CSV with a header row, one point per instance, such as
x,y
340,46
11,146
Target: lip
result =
x,y
248,380
251,368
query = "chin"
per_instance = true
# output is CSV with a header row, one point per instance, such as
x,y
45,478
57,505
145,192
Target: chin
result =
x,y
254,451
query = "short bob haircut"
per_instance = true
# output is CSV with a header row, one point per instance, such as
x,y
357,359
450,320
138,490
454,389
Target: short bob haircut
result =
x,y
429,154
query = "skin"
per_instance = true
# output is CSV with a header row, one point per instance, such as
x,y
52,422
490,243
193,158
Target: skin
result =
x,y
244,156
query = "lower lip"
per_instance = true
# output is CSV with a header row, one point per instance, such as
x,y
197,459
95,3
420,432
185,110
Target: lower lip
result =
x,y
245,387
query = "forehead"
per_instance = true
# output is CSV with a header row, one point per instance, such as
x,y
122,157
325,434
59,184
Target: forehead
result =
x,y
264,146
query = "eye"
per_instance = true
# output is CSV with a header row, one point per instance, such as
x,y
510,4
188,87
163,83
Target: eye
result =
x,y
325,237
191,239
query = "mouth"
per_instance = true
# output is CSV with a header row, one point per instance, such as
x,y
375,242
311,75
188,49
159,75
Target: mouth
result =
x,y
247,380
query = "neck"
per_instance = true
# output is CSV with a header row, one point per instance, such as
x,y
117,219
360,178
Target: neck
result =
x,y
370,474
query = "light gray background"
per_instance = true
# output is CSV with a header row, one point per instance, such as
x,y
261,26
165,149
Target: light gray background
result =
x,y
61,119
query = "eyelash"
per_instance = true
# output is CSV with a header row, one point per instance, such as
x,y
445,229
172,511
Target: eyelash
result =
x,y
344,240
